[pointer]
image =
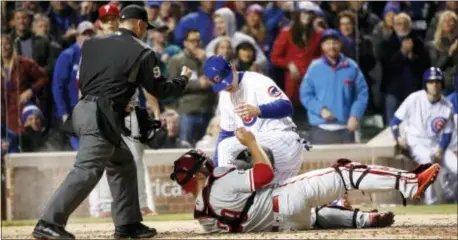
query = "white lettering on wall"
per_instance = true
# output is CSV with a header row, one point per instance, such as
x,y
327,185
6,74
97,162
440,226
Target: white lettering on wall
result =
x,y
165,188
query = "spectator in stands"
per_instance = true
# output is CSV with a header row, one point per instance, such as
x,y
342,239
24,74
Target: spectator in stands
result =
x,y
443,50
171,119
385,28
33,138
274,19
449,6
245,57
64,86
9,139
22,79
200,20
358,47
211,137
152,8
196,105
295,48
225,25
157,39
87,12
366,19
404,59
40,27
63,22
334,93
32,6
254,26
240,8
224,48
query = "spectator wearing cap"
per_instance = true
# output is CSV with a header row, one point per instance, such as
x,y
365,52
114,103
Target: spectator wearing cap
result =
x,y
22,80
443,49
157,39
254,26
196,105
200,20
33,138
334,93
64,86
385,28
109,18
225,25
366,19
63,22
152,8
295,48
449,6
404,58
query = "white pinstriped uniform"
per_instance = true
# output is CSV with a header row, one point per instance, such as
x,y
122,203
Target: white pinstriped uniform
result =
x,y
425,123
277,134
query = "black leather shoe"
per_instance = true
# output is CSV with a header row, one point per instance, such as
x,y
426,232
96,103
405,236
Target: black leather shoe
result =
x,y
134,230
44,230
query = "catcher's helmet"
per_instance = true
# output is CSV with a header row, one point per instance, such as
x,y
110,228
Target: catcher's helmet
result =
x,y
188,164
244,161
432,74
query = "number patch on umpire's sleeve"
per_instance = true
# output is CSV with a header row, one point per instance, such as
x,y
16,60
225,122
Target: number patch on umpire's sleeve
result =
x,y
156,72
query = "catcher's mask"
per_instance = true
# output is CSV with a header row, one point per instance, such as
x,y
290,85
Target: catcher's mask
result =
x,y
188,164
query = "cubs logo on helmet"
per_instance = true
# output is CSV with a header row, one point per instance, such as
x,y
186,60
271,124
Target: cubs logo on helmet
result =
x,y
273,91
249,121
437,124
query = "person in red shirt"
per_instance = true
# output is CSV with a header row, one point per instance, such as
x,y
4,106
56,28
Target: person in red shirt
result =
x,y
22,81
296,46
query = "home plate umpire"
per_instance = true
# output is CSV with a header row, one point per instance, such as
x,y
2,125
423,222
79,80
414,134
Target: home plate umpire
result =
x,y
111,69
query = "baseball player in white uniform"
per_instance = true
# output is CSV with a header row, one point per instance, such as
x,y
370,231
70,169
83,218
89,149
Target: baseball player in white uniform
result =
x,y
100,198
235,200
254,101
428,118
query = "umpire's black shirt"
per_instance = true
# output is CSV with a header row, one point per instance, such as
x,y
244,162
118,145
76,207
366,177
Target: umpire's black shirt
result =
x,y
107,62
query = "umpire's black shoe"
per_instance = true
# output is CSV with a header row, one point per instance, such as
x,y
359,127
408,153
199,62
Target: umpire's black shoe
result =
x,y
44,230
134,230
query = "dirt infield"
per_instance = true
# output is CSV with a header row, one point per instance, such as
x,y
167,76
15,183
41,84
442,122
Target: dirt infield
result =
x,y
406,227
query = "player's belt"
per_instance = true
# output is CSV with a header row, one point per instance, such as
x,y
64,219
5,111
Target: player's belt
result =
x,y
277,219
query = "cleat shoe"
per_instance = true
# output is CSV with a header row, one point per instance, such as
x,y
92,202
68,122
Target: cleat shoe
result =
x,y
44,230
134,230
426,178
380,220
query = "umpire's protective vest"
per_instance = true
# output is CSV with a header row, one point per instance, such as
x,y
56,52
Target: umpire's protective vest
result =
x,y
108,72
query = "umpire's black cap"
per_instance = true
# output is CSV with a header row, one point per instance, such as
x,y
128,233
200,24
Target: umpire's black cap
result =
x,y
135,12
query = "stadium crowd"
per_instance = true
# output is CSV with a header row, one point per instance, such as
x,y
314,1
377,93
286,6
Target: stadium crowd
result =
x,y
392,43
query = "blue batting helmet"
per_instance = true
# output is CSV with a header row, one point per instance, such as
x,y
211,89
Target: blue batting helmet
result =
x,y
432,73
218,71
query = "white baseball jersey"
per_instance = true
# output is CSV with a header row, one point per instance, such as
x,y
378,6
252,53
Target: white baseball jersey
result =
x,y
425,121
277,134
255,89
425,124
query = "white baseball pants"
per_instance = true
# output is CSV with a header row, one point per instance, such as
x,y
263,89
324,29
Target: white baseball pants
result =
x,y
422,153
298,195
100,198
286,148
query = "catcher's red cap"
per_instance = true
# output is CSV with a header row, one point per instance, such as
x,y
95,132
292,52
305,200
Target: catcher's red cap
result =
x,y
109,10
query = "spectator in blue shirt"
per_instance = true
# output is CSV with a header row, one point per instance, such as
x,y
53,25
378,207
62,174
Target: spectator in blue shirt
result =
x,y
64,86
201,20
334,93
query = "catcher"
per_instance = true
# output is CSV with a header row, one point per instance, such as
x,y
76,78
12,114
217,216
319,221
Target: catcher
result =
x,y
239,200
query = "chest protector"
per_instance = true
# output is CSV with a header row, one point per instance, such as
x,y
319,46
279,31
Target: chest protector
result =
x,y
234,223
